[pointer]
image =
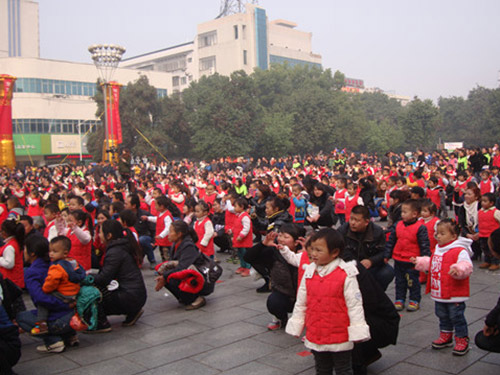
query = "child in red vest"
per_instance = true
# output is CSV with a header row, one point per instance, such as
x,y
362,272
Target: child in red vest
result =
x,y
434,193
430,220
352,199
449,268
204,229
488,219
339,198
34,208
408,240
486,185
11,253
242,234
52,213
163,220
81,238
329,306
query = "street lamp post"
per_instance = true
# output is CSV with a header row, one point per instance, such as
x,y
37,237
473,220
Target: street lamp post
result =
x,y
106,58
80,137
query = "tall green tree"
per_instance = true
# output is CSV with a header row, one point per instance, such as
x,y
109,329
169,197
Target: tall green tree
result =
x,y
419,122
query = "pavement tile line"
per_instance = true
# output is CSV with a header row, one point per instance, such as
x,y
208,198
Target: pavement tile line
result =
x,y
236,306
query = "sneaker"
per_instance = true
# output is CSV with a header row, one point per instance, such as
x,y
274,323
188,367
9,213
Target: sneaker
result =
x,y
399,305
413,306
444,340
132,319
274,325
461,346
101,328
494,267
57,347
245,272
238,270
484,265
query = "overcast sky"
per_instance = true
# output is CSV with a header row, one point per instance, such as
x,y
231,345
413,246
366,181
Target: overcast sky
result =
x,y
428,48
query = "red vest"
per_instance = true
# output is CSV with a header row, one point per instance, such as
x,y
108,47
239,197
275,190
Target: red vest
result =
x,y
406,243
80,252
229,220
160,227
430,225
461,186
47,229
238,227
349,205
326,315
35,210
340,206
433,195
442,285
180,205
16,274
486,187
199,228
210,199
486,222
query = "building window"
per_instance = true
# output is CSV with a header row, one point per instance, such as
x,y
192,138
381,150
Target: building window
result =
x,y
235,27
208,63
245,62
175,81
207,39
183,80
244,31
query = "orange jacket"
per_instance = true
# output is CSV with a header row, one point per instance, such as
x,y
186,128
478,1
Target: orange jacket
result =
x,y
64,278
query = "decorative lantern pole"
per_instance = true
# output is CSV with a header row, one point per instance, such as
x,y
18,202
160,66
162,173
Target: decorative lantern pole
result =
x,y
7,154
106,58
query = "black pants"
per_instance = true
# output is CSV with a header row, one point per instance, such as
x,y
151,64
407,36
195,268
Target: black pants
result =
x,y
489,343
10,349
327,361
223,242
280,305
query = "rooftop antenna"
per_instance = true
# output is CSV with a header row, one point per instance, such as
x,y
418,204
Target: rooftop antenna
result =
x,y
228,7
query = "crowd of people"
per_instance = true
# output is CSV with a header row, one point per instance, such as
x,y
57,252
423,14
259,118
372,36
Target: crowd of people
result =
x,y
327,233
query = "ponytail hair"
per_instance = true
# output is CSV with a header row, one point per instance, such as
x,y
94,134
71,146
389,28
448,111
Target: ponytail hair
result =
x,y
15,229
184,230
84,217
117,232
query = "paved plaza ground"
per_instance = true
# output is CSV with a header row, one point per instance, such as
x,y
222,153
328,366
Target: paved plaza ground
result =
x,y
229,336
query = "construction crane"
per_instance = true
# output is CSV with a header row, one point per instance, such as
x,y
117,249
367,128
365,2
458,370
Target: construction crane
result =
x,y
228,7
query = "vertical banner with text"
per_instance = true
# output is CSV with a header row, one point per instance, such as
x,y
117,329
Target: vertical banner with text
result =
x,y
115,131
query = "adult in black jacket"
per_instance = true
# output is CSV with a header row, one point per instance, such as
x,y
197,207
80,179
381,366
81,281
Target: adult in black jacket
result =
x,y
276,216
144,229
10,345
121,263
325,216
365,243
183,254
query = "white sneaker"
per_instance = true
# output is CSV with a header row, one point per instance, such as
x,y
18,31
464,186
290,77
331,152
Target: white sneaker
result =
x,y
57,347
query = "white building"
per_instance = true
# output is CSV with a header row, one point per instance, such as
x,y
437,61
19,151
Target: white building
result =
x,y
242,41
52,100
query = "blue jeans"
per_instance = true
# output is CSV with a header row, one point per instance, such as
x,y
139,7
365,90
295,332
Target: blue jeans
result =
x,y
451,315
407,278
146,245
59,329
383,274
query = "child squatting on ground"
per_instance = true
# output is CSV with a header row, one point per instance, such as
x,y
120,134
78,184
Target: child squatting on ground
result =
x,y
449,269
329,306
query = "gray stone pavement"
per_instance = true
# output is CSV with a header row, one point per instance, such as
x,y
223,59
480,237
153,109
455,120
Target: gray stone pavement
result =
x,y
229,336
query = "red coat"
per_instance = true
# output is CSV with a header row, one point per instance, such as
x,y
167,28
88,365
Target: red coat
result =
x,y
486,222
442,285
407,242
16,274
327,318
80,252
199,228
433,195
237,228
160,227
430,225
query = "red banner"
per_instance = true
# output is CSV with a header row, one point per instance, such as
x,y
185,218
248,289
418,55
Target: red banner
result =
x,y
6,89
115,126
